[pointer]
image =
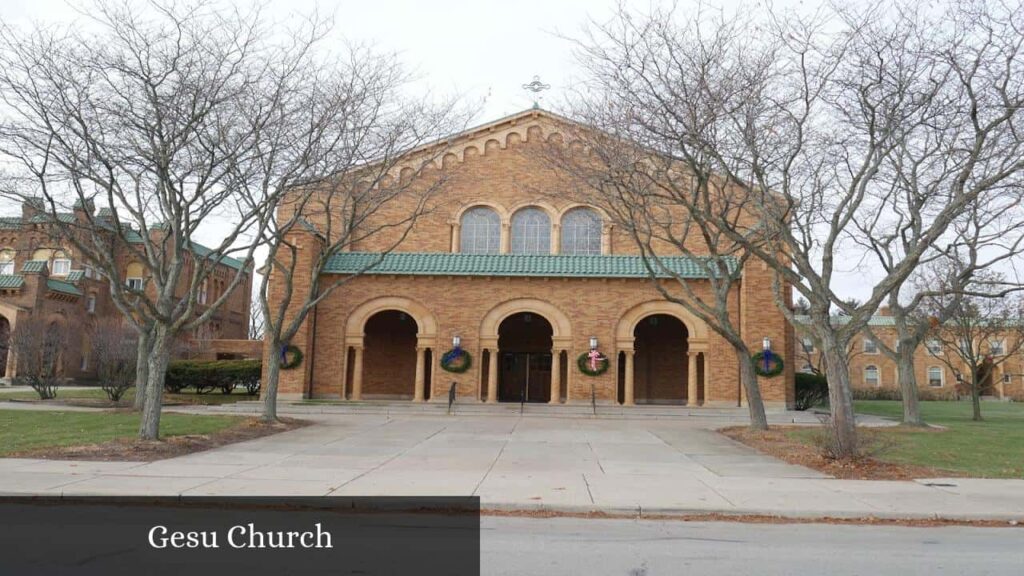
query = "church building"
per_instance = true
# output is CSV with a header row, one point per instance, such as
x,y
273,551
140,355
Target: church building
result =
x,y
509,289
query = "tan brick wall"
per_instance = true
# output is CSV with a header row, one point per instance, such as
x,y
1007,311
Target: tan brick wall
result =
x,y
501,168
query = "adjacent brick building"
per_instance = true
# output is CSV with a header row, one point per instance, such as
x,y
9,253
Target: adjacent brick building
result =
x,y
525,278
41,275
938,374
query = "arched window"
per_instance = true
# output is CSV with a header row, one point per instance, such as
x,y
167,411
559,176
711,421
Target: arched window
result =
x,y
134,276
7,261
480,231
581,232
935,376
871,376
531,232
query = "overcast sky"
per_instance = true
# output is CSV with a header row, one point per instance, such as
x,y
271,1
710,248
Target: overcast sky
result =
x,y
484,50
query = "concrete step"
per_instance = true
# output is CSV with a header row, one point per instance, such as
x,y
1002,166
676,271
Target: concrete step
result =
x,y
399,408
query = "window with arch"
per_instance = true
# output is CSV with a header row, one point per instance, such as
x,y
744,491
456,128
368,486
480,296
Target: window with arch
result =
x,y
133,276
480,231
581,232
61,264
7,261
531,231
935,376
871,376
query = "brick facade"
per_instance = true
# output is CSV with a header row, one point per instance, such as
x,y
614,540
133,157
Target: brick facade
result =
x,y
75,298
380,334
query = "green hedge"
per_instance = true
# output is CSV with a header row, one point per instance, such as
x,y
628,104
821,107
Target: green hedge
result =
x,y
811,390
207,375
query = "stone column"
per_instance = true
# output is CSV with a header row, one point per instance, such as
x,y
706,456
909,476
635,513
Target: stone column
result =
x,y
628,399
506,238
492,375
691,378
556,376
456,238
421,354
357,374
707,373
556,238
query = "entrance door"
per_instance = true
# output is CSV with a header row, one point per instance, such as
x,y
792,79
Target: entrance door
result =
x,y
525,377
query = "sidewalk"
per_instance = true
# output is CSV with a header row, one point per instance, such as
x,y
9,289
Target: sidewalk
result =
x,y
617,466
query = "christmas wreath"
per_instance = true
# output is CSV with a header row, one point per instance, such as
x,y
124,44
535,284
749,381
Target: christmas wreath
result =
x,y
767,364
291,357
592,363
456,360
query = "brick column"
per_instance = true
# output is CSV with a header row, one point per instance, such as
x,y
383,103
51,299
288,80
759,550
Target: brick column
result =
x,y
420,374
492,375
556,376
691,378
357,374
628,399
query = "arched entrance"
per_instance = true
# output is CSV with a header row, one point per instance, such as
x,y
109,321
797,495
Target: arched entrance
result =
x,y
524,352
662,355
389,365
660,365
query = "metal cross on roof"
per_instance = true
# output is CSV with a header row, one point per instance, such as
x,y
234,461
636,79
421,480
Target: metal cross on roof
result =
x,y
536,86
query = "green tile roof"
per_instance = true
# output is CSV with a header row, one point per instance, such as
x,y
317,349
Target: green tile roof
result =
x,y
75,276
64,217
11,282
62,287
446,264
202,251
839,320
10,222
33,266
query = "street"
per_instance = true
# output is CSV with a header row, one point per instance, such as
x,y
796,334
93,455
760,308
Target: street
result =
x,y
558,546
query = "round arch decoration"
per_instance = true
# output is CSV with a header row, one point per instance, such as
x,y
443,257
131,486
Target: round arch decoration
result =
x,y
561,327
697,329
426,323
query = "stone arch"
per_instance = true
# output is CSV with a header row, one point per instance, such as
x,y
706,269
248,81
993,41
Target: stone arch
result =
x,y
695,327
502,212
426,323
561,327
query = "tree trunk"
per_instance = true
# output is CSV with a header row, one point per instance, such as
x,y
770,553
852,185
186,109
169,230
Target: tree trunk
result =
x,y
840,399
748,378
161,344
269,390
976,395
142,370
908,388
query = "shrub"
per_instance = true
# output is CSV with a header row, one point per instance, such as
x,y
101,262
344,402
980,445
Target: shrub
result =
x,y
811,390
205,376
895,394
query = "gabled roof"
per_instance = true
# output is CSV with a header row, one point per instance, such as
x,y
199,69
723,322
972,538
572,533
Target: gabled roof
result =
x,y
11,282
62,287
203,252
528,265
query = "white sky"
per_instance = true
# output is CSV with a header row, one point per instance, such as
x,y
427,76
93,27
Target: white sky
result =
x,y
484,50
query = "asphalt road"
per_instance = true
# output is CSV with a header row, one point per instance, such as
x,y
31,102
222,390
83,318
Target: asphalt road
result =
x,y
654,548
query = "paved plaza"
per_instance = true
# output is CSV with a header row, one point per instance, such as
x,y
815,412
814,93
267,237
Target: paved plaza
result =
x,y
625,466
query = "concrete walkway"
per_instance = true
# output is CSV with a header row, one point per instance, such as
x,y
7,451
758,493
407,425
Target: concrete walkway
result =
x,y
625,466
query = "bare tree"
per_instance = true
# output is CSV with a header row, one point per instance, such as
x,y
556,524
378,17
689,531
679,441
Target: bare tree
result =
x,y
376,175
38,345
155,112
645,196
984,329
257,323
114,354
811,119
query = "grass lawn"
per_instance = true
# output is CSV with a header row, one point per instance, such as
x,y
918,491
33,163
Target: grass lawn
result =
x,y
22,430
993,448
188,396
